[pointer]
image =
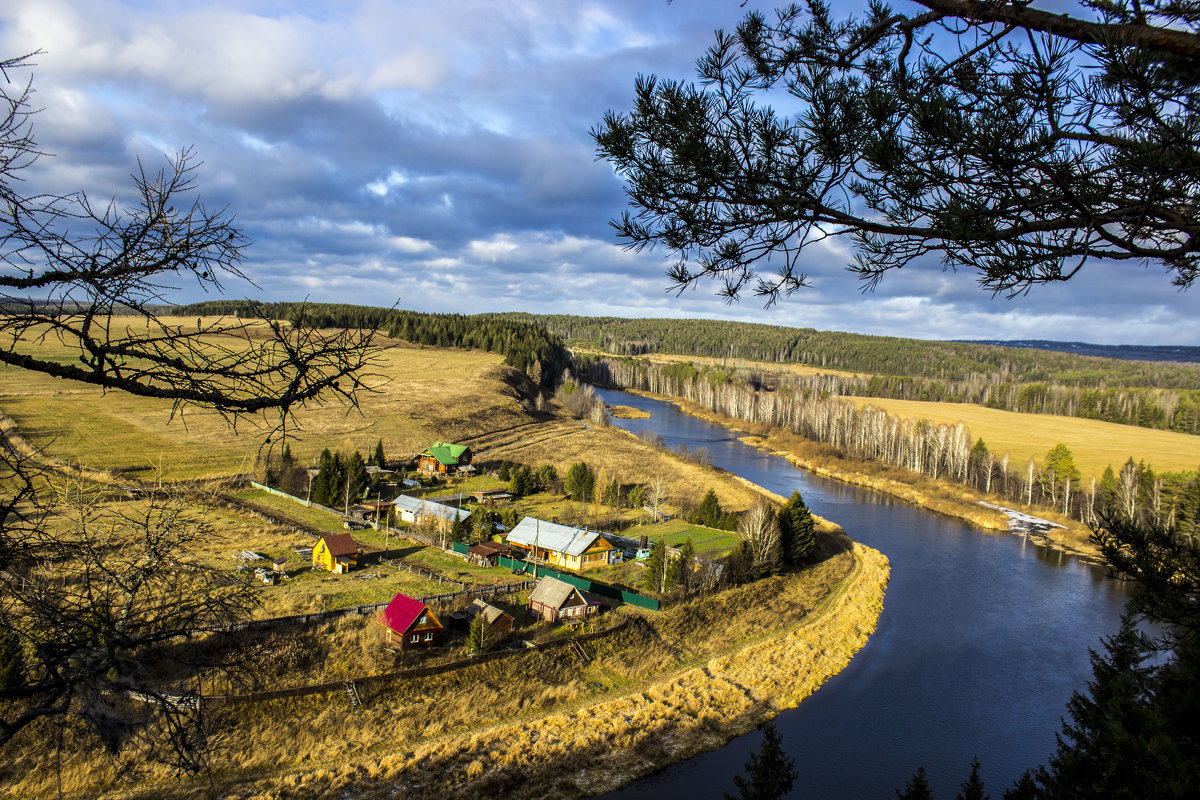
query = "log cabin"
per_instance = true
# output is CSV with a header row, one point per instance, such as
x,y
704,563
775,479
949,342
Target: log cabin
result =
x,y
410,623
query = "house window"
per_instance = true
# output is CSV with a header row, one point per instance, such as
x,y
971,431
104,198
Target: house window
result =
x,y
422,619
429,636
416,637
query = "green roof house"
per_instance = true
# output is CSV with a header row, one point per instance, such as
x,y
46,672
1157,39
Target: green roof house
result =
x,y
445,459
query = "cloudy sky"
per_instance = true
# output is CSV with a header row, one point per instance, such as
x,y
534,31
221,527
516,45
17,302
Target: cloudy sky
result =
x,y
437,156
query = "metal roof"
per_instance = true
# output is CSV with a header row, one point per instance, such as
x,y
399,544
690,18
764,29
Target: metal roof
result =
x,y
553,593
428,508
552,536
403,611
447,454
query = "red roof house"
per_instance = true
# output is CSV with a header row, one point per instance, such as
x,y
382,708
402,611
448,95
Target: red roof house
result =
x,y
409,622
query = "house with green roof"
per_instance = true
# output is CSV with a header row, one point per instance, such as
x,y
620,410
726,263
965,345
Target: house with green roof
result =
x,y
445,459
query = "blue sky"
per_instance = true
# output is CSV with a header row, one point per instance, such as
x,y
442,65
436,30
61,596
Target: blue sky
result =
x,y
437,156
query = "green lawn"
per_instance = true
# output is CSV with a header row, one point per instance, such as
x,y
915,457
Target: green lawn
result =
x,y
709,542
316,517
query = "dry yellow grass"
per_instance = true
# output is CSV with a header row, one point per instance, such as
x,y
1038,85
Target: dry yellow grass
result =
x,y
1095,444
420,395
661,690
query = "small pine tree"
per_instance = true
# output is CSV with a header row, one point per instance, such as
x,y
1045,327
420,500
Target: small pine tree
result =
x,y
612,493
917,788
681,566
377,458
972,788
547,475
656,568
769,773
580,482
479,636
637,497
709,512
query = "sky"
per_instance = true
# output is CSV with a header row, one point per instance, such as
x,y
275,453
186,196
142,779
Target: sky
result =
x,y
437,156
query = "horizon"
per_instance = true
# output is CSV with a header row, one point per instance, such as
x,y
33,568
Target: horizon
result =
x,y
440,159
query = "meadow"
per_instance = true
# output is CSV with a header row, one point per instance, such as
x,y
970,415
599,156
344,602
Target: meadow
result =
x,y
1094,444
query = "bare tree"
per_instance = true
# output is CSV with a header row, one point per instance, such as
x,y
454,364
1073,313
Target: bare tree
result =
x,y
760,530
656,496
118,609
70,269
114,608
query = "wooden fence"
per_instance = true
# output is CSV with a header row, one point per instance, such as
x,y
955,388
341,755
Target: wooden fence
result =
x,y
395,675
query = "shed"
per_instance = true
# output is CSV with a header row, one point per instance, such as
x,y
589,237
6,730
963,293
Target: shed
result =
x,y
553,600
487,554
497,618
410,623
336,552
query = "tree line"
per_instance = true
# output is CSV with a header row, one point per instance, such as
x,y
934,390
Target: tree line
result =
x,y
526,346
1148,394
937,450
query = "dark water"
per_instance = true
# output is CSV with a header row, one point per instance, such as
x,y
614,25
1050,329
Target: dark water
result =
x,y
982,639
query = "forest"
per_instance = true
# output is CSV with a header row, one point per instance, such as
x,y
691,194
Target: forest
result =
x,y
939,451
526,345
1149,394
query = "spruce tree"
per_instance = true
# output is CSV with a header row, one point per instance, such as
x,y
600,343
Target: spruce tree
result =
x,y
709,512
357,476
377,458
972,788
612,493
797,532
769,773
917,788
480,638
580,482
656,568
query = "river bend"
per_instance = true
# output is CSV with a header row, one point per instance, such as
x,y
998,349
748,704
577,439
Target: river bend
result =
x,y
982,639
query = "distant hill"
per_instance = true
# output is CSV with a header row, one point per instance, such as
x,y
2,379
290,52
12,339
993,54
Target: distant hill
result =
x,y
1128,352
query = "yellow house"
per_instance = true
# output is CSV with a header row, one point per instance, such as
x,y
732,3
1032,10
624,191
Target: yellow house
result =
x,y
336,552
573,548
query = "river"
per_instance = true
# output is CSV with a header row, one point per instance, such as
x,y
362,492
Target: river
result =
x,y
982,639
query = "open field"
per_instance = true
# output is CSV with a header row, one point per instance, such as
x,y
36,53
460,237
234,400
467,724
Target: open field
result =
x,y
1095,444
417,396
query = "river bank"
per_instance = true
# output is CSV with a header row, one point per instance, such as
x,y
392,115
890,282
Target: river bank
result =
x,y
668,686
942,497
598,747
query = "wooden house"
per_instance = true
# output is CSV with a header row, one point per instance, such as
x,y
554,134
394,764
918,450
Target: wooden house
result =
x,y
563,545
419,511
499,620
336,552
555,600
445,459
410,623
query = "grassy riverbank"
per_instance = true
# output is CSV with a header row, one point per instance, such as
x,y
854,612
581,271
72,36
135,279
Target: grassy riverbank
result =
x,y
947,498
540,724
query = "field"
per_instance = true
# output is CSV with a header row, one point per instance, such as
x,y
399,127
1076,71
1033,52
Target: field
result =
x,y
418,395
1095,444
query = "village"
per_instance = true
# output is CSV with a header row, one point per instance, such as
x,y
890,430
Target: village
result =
x,y
434,562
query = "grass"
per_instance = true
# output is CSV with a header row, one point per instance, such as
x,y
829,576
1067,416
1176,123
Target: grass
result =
x,y
709,542
1095,444
309,515
418,395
